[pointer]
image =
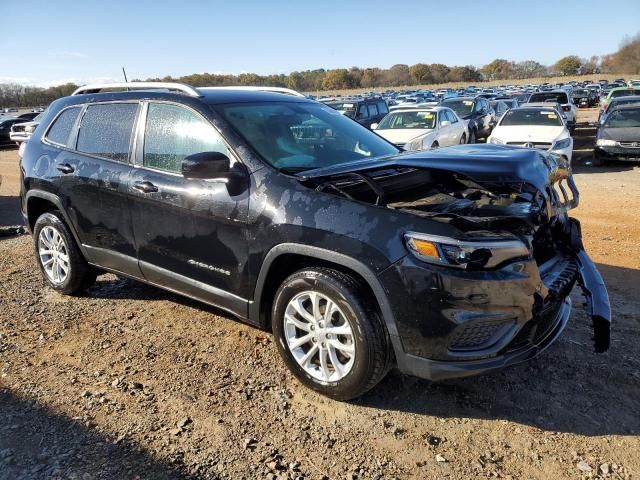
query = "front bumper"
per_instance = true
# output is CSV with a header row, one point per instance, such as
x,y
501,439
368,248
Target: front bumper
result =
x,y
460,323
620,153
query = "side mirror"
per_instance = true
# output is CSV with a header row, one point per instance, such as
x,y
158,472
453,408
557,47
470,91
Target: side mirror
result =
x,y
206,165
445,123
374,126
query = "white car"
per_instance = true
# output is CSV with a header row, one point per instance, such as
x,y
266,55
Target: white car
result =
x,y
534,127
562,97
422,128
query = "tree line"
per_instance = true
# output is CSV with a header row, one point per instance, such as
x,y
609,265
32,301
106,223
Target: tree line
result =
x,y
625,60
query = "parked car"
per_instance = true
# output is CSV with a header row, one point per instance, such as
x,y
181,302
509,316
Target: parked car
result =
x,y
20,132
5,129
476,112
616,102
564,99
617,92
500,106
534,127
363,111
583,97
28,116
618,137
446,263
422,128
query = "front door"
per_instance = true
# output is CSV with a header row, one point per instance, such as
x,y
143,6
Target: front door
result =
x,y
191,234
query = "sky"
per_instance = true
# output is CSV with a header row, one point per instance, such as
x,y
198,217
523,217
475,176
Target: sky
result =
x,y
56,41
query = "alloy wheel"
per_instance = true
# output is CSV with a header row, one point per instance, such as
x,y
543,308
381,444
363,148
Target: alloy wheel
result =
x,y
319,336
53,255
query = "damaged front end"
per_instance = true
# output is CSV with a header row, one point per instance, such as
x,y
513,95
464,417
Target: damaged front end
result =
x,y
495,291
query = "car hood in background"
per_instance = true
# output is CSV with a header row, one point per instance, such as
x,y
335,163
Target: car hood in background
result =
x,y
402,135
630,134
525,133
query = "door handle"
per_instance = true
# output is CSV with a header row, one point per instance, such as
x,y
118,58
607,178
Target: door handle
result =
x,y
65,168
145,187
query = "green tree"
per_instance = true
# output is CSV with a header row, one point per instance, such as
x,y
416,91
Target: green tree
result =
x,y
569,65
499,69
337,79
421,73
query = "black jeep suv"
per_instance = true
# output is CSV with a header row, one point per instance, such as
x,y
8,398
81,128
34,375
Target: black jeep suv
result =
x,y
293,217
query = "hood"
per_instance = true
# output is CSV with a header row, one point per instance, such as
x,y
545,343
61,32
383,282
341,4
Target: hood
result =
x,y
485,164
631,134
528,133
402,135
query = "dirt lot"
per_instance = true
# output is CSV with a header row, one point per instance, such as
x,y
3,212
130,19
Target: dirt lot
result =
x,y
129,382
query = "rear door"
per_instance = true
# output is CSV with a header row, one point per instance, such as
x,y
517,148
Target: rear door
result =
x,y
93,169
191,234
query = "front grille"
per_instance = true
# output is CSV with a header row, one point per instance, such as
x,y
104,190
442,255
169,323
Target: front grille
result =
x,y
538,145
630,144
478,335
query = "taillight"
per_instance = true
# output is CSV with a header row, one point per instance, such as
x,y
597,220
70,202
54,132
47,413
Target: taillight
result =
x,y
605,106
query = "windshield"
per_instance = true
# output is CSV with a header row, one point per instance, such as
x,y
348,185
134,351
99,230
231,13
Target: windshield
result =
x,y
559,97
301,136
400,120
348,108
580,91
623,118
531,116
625,92
461,107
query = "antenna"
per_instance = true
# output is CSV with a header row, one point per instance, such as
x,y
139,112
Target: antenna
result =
x,y
125,75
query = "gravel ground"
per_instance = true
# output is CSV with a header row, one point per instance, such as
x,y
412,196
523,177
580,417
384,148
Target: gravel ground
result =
x,y
128,381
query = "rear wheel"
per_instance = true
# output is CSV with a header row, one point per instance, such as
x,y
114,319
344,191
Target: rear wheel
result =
x,y
59,259
328,334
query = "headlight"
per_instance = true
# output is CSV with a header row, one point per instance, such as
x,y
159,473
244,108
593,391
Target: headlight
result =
x,y
30,128
560,144
471,255
604,142
496,141
416,144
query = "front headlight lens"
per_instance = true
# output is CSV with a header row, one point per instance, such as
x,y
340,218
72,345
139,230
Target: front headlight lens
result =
x,y
496,141
472,255
604,142
415,144
560,144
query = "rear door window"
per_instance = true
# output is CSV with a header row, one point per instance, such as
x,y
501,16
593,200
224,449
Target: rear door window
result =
x,y
373,110
173,132
362,111
105,130
62,126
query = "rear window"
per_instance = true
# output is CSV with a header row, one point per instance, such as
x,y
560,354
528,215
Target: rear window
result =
x,y
61,128
382,108
624,93
559,97
105,130
531,116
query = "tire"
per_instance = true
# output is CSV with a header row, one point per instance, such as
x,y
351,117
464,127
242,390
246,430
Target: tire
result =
x,y
369,341
463,139
472,137
434,145
79,275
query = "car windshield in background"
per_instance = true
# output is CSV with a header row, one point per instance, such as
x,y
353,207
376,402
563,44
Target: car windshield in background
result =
x,y
531,116
301,136
558,97
580,92
626,92
461,107
625,118
401,120
343,107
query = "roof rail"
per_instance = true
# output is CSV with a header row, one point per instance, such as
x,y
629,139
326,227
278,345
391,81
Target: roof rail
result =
x,y
98,87
285,91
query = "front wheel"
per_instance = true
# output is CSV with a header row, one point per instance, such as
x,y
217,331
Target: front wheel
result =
x,y
328,334
61,262
463,139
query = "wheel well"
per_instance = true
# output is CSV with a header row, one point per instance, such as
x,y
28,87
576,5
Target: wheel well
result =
x,y
287,264
36,207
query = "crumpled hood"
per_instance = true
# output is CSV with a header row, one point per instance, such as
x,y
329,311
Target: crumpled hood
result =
x,y
485,164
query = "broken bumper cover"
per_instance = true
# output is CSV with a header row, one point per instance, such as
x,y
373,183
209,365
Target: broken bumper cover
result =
x,y
458,324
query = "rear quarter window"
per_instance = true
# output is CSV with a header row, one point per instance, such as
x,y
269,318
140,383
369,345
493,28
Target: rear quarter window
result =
x,y
105,130
60,129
